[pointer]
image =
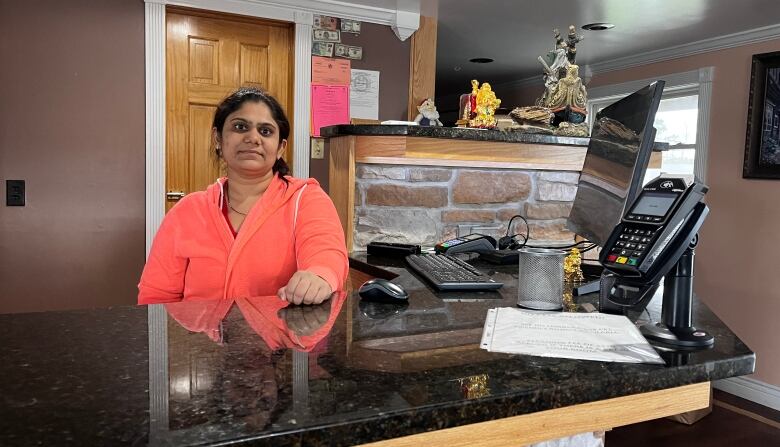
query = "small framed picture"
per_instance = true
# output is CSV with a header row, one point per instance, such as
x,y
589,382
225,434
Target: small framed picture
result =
x,y
762,142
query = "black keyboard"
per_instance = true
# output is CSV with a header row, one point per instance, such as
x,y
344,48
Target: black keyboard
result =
x,y
450,273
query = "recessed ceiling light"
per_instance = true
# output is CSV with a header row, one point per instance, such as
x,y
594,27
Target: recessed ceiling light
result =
x,y
481,60
456,68
598,26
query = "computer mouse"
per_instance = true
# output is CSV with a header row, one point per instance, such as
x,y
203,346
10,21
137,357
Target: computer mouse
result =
x,y
382,291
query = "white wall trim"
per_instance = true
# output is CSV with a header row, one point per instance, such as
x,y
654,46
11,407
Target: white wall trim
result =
x,y
285,10
406,23
664,54
302,94
694,81
154,31
706,76
752,390
689,49
674,81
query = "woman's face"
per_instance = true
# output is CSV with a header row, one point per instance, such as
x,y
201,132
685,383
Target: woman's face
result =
x,y
250,140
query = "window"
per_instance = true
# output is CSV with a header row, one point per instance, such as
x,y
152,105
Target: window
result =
x,y
675,124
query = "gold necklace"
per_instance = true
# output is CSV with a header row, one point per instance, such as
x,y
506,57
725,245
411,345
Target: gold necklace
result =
x,y
231,207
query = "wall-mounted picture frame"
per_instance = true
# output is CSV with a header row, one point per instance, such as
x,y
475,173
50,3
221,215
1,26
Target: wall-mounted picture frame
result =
x,y
762,142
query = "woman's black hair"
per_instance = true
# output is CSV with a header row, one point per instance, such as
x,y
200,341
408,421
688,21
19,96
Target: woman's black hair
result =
x,y
234,101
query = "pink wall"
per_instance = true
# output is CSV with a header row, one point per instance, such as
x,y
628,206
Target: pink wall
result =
x,y
737,258
72,126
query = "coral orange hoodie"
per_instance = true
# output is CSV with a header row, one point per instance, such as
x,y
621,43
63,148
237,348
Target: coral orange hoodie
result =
x,y
291,227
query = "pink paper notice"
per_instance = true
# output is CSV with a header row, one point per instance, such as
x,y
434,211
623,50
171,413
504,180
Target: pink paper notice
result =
x,y
326,70
329,106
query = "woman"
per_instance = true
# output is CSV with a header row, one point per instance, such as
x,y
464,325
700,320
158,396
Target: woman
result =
x,y
255,232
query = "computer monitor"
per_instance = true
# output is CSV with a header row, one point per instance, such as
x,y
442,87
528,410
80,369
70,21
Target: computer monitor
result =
x,y
618,153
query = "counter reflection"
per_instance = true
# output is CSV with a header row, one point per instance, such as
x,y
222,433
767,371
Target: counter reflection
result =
x,y
233,365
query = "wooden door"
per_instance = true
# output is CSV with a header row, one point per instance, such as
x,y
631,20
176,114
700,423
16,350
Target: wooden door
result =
x,y
208,56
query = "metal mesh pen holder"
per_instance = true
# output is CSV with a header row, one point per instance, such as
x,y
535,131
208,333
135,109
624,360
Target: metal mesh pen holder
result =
x,y
540,282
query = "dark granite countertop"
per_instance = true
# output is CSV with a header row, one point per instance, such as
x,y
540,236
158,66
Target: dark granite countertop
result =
x,y
460,133
346,372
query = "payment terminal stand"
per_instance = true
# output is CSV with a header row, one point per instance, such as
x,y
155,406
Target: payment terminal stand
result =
x,y
656,239
675,327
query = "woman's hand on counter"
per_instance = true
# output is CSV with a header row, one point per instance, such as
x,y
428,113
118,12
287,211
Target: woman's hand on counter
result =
x,y
305,288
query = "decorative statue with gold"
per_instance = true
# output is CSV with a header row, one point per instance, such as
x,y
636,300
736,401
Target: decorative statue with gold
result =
x,y
568,92
562,108
478,109
572,267
468,105
487,103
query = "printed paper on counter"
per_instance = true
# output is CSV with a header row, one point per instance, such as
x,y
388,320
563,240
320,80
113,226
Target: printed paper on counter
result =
x,y
584,336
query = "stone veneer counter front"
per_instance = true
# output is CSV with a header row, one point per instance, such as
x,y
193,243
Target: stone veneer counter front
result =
x,y
419,184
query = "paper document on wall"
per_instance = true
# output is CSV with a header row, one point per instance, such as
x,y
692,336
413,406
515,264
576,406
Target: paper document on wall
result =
x,y
584,336
364,94
329,106
329,71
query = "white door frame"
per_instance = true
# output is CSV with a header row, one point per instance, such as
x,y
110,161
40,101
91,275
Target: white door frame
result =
x,y
403,17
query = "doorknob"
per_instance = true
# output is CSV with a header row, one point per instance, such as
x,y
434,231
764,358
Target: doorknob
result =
x,y
174,195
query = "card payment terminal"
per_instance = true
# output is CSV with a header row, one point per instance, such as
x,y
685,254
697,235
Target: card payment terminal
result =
x,y
472,243
655,239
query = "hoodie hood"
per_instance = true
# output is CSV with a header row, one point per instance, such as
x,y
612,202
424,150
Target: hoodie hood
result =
x,y
277,194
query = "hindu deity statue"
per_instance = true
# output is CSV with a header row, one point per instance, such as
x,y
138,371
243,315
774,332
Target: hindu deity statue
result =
x,y
564,92
568,91
486,105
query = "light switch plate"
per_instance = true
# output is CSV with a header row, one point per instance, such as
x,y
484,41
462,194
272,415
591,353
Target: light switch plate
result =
x,y
14,193
317,148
